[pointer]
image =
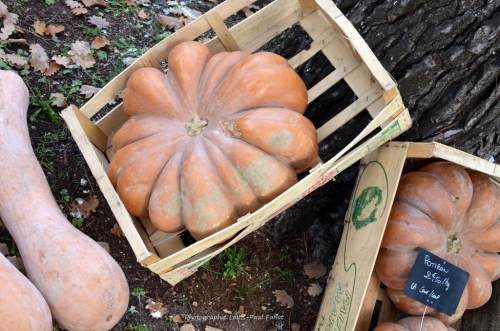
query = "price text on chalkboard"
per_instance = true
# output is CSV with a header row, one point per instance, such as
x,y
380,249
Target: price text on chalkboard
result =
x,y
436,282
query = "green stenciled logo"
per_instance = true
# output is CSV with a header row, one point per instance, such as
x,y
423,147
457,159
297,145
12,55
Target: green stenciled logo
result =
x,y
365,207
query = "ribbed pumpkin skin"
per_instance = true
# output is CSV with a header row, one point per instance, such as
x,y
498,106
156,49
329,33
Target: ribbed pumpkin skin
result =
x,y
214,139
414,323
453,213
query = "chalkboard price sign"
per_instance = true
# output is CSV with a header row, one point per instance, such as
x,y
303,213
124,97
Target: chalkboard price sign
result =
x,y
436,282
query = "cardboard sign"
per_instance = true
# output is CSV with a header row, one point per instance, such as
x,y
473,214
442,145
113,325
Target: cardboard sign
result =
x,y
436,282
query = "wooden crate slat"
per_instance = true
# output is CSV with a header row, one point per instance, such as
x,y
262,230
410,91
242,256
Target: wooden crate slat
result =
x,y
112,121
317,45
333,78
348,113
121,214
336,17
366,311
95,135
436,150
264,25
359,245
225,37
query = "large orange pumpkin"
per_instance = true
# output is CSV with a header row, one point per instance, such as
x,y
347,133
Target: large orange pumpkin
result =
x,y
214,139
452,213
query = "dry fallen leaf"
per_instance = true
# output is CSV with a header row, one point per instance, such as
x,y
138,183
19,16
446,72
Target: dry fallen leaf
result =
x,y
132,3
16,61
88,90
187,12
143,15
52,29
314,290
211,328
117,230
99,22
84,61
62,60
187,327
79,11
80,47
39,64
156,309
84,207
177,318
17,261
3,9
73,4
100,42
40,27
105,246
7,30
52,69
4,250
283,298
60,100
250,10
295,327
90,3
170,22
314,270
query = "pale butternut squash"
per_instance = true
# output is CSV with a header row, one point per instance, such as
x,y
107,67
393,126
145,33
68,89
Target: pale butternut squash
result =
x,y
83,285
22,307
415,323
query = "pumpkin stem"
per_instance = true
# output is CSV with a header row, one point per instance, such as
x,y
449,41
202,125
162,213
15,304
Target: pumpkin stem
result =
x,y
195,126
454,244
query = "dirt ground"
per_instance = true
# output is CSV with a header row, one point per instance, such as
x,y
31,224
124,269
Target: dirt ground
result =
x,y
236,290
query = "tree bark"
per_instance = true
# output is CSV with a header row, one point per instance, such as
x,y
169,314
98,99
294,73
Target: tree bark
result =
x,y
445,56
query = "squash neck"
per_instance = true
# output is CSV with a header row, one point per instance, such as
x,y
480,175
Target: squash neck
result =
x,y
195,126
454,244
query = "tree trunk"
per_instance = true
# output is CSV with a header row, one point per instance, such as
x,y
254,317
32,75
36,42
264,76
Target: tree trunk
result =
x,y
445,56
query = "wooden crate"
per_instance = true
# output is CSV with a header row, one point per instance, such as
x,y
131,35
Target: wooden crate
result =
x,y
353,289
332,34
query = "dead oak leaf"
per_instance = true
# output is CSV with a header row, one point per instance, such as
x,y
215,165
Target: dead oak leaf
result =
x,y
40,27
105,246
16,61
187,327
3,9
10,18
4,249
117,230
170,22
314,270
7,30
143,15
100,42
132,3
52,29
80,48
38,58
314,290
59,101
283,298
84,207
156,309
52,69
192,14
88,90
90,3
62,60
79,11
99,22
73,4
